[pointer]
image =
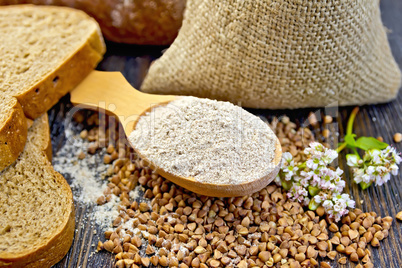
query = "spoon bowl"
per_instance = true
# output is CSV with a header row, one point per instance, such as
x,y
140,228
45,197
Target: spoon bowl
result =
x,y
109,92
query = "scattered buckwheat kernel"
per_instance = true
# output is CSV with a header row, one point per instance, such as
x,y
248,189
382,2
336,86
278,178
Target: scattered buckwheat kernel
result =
x,y
328,119
399,216
397,137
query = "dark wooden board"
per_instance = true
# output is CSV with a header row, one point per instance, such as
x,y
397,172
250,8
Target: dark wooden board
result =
x,y
373,120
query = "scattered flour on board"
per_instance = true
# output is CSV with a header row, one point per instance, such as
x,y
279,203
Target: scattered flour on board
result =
x,y
105,214
87,178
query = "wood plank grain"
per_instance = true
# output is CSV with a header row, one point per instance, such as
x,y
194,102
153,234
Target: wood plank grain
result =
x,y
373,120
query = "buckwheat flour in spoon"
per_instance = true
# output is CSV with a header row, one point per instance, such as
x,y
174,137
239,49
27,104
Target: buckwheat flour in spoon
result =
x,y
212,141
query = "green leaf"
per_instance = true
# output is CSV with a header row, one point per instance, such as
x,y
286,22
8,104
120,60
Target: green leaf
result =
x,y
350,140
366,143
364,185
313,205
302,165
313,190
286,184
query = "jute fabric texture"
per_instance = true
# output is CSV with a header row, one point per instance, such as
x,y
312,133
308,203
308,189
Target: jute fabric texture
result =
x,y
279,54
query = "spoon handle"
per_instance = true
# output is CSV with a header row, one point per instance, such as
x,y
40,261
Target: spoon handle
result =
x,y
110,92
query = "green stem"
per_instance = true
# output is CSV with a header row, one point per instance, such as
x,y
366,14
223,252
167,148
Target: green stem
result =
x,y
349,128
356,153
341,147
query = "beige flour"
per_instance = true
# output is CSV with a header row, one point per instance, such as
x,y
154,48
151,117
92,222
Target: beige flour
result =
x,y
86,178
212,141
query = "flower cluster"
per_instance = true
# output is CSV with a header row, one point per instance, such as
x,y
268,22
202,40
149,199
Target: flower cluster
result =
x,y
314,182
376,166
334,203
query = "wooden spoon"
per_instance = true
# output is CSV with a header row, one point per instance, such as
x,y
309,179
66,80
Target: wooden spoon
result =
x,y
110,92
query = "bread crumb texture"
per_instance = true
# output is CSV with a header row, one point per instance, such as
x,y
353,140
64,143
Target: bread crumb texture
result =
x,y
34,201
7,104
30,49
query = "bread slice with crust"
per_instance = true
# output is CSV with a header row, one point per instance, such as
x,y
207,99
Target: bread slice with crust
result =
x,y
44,53
13,131
37,210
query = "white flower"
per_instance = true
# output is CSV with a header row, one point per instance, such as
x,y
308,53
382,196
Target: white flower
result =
x,y
297,178
386,177
358,175
373,155
345,199
339,172
318,199
377,166
329,156
370,170
380,180
313,163
388,150
367,178
340,185
325,184
397,158
298,193
278,180
327,204
381,170
315,150
306,201
312,176
287,157
338,207
394,169
316,173
351,203
288,166
393,154
289,171
304,182
352,160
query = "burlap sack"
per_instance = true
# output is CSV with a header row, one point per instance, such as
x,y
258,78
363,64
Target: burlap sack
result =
x,y
279,54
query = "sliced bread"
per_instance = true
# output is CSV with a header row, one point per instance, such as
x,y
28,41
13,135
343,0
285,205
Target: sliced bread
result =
x,y
13,130
141,22
37,222
45,52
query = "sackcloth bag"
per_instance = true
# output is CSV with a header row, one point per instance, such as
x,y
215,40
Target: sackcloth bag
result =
x,y
279,54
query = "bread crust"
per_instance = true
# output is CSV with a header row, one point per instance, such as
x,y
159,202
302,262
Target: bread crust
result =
x,y
13,135
141,22
56,248
47,92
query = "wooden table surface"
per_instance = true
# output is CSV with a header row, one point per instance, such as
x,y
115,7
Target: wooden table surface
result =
x,y
374,120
